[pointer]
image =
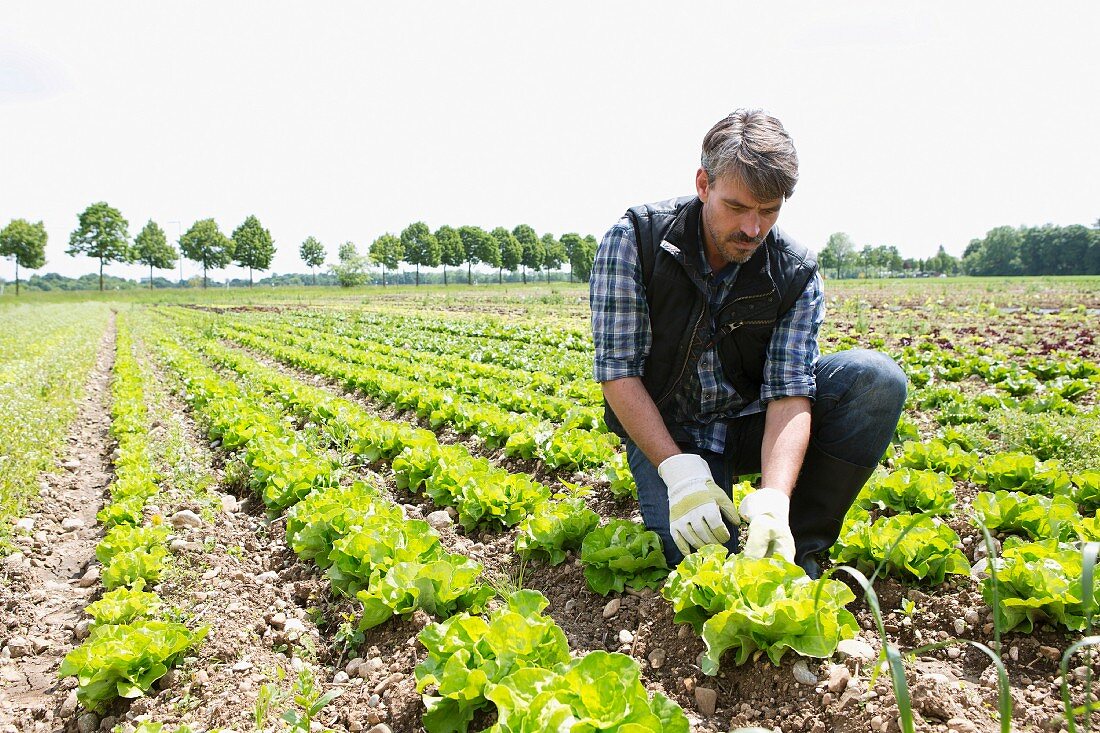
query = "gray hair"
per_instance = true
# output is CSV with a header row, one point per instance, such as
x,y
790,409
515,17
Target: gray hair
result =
x,y
753,146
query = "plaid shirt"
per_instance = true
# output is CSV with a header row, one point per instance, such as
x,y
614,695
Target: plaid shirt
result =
x,y
622,336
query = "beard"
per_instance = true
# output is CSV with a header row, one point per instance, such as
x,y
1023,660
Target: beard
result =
x,y
736,247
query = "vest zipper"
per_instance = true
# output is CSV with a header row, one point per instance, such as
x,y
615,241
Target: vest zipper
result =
x,y
687,359
727,330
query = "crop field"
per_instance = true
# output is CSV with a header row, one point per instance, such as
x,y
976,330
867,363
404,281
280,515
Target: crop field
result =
x,y
400,510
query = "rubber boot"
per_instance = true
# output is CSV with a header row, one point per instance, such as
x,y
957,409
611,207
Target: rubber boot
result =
x,y
825,490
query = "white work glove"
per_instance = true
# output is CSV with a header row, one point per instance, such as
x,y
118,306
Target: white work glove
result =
x,y
695,503
768,514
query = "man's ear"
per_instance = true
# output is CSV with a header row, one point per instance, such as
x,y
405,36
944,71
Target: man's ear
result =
x,y
701,184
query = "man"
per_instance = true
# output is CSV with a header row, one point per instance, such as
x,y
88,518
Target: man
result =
x,y
705,318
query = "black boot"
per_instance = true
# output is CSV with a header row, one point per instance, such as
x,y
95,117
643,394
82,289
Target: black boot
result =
x,y
826,487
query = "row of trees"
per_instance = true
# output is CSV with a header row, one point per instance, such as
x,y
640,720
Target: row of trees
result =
x,y
417,245
1045,250
102,233
840,257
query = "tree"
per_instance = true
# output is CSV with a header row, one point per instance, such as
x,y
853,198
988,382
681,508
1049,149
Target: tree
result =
x,y
204,243
581,253
943,262
511,252
837,252
451,251
351,270
312,253
151,248
26,244
585,259
480,247
102,233
387,251
421,247
252,246
533,251
554,254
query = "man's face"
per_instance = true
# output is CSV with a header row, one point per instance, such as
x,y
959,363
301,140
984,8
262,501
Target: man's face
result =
x,y
735,223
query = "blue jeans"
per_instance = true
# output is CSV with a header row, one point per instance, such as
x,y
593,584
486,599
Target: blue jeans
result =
x,y
860,395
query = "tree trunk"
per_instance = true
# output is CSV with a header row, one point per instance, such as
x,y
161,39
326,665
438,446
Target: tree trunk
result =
x,y
17,277
500,276
470,272
204,276
418,274
383,276
250,276
101,274
150,275
314,275
444,275
525,274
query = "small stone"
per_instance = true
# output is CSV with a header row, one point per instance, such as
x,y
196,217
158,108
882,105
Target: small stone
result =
x,y
689,683
960,627
185,518
819,727
876,722
82,629
570,605
979,568
380,728
340,678
38,644
72,464
1014,653
229,503
90,577
352,667
684,631
277,620
706,699
18,646
612,607
971,616
71,524
953,652
625,637
1050,652
68,706
242,666
387,683
802,673
108,723
439,520
961,725
201,677
839,677
87,723
269,576
855,649
25,525
657,658
354,726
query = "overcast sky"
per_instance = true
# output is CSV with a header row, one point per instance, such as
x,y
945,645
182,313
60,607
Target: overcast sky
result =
x,y
917,124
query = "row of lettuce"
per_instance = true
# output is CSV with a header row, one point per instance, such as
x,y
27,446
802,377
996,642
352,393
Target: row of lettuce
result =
x,y
132,641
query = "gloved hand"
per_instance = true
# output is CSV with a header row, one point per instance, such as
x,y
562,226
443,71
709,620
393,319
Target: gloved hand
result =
x,y
768,514
695,503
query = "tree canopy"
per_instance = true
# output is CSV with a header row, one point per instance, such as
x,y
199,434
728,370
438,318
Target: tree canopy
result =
x,y
420,246
534,252
204,243
511,252
312,253
387,251
102,233
480,247
252,246
451,251
351,269
26,244
151,248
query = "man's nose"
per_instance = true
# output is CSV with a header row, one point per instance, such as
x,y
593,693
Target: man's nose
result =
x,y
750,226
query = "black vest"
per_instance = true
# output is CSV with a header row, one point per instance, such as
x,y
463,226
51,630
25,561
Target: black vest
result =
x,y
767,285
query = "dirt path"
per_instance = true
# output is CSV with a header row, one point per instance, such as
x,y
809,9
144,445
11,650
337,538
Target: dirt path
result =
x,y
45,587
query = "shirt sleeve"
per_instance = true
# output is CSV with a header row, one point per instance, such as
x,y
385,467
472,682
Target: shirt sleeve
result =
x,y
620,314
793,351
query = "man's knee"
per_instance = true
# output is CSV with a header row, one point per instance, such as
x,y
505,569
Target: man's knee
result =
x,y
864,373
